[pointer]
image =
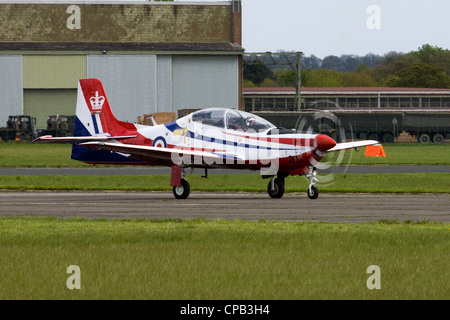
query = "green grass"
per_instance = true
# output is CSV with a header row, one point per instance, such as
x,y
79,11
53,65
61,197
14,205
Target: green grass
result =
x,y
199,259
54,155
396,154
15,155
392,183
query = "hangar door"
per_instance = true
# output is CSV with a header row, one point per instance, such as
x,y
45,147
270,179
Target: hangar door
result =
x,y
50,85
41,103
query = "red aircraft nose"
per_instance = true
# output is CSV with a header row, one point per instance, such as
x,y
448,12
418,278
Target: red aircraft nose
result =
x,y
323,142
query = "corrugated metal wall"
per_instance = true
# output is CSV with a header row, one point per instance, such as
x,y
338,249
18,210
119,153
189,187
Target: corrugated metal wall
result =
x,y
164,84
50,72
206,81
129,82
11,93
135,84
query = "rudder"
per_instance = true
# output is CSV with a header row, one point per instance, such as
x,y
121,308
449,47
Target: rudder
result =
x,y
93,112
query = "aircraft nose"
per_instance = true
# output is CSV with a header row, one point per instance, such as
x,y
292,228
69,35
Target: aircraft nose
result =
x,y
324,142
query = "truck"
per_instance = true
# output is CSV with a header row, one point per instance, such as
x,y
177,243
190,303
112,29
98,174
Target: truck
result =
x,y
19,128
59,126
384,126
427,127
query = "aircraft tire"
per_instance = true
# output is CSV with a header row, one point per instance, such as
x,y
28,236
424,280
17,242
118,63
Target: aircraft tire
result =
x,y
279,189
182,192
314,194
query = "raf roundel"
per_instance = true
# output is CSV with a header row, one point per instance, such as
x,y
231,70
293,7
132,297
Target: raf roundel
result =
x,y
160,142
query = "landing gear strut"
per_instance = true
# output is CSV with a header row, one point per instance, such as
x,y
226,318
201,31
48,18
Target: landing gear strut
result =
x,y
181,188
312,192
275,188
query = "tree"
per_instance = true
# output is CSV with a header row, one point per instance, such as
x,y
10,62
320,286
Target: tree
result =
x,y
311,62
349,62
332,63
256,71
433,55
420,75
361,77
286,77
321,78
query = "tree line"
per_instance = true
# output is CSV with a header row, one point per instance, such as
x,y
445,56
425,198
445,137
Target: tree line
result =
x,y
427,67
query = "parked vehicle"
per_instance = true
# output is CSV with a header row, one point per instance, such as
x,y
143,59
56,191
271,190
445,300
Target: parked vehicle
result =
x,y
19,128
384,126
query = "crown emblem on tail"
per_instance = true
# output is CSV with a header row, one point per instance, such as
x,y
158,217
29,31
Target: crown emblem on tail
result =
x,y
97,101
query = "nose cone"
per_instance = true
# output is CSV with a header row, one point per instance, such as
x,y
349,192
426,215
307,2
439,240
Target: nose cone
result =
x,y
323,142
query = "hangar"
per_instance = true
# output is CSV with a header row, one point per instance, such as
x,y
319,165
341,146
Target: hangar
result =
x,y
150,56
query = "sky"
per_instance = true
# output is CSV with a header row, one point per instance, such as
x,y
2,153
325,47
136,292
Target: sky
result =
x,y
337,27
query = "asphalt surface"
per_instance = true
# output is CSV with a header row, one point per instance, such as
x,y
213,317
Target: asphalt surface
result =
x,y
245,206
354,208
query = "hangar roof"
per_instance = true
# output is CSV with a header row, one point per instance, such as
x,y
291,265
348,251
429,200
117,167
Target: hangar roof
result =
x,y
230,48
354,91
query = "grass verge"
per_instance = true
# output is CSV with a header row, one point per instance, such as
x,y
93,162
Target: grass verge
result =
x,y
53,155
391,183
200,259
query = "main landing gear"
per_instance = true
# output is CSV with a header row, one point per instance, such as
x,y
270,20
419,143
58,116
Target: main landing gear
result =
x,y
182,191
275,188
181,188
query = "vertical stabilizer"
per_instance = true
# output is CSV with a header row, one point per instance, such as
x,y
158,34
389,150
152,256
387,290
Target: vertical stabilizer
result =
x,y
93,113
94,117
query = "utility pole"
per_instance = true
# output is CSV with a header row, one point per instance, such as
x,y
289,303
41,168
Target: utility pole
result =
x,y
295,67
299,82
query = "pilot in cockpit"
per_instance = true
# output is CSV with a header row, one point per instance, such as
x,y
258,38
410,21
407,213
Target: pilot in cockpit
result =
x,y
250,123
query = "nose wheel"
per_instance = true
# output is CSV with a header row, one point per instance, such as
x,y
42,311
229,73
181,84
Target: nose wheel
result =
x,y
313,192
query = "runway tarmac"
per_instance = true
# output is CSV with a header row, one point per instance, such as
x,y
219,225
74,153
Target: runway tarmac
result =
x,y
329,207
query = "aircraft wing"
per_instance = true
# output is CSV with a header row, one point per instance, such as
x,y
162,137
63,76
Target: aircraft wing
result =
x,y
353,145
77,140
148,151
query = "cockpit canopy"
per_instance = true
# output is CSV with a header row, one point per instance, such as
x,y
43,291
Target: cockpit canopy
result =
x,y
231,119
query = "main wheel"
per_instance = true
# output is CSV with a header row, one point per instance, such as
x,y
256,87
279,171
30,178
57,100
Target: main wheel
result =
x,y
313,192
182,192
278,188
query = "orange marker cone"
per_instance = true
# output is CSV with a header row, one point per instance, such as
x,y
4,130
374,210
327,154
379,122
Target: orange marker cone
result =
x,y
375,151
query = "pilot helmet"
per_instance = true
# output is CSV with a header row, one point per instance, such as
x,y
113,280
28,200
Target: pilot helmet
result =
x,y
249,120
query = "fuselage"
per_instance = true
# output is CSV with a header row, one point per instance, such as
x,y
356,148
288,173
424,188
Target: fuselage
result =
x,y
236,145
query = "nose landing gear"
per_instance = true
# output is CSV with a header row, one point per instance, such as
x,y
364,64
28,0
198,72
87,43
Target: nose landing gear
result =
x,y
313,192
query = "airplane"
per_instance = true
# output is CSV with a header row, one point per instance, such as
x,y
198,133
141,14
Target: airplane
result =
x,y
207,139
